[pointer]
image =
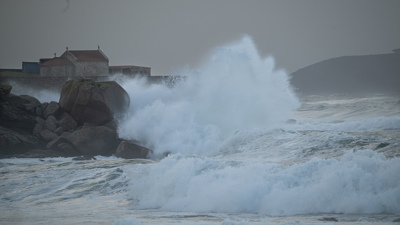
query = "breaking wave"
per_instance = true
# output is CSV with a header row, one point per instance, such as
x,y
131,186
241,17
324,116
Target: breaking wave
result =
x,y
236,89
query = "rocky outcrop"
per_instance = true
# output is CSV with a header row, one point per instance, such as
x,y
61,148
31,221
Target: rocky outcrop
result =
x,y
94,140
82,123
18,112
17,122
66,122
52,109
13,142
93,102
129,150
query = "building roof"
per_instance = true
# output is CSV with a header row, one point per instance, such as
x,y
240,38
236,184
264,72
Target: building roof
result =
x,y
89,55
57,61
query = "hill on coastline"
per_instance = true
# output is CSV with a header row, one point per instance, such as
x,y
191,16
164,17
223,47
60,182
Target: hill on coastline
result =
x,y
369,74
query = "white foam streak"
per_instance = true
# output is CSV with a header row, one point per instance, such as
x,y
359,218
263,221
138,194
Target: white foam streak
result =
x,y
377,123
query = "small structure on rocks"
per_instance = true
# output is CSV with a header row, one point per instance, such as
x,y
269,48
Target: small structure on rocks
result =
x,y
75,63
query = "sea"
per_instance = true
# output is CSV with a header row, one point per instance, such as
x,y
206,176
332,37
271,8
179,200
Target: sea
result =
x,y
233,144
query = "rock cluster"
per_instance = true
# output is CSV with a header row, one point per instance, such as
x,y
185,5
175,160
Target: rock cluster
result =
x,y
82,123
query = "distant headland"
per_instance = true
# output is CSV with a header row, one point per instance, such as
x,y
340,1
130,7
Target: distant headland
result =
x,y
366,74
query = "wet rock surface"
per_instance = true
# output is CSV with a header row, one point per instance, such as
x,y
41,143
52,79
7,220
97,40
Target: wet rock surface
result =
x,y
93,102
129,150
83,123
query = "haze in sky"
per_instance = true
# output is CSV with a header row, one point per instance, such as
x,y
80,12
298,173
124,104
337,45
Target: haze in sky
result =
x,y
167,35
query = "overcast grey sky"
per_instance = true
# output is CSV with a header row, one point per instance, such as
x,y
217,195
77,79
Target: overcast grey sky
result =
x,y
169,34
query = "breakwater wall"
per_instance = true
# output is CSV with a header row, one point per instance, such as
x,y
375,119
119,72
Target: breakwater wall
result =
x,y
56,83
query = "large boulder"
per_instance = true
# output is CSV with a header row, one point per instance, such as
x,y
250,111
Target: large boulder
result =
x,y
93,140
94,102
24,102
66,122
50,123
5,89
53,109
48,135
12,142
64,145
18,112
129,150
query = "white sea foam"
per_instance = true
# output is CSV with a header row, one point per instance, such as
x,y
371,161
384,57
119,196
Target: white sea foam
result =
x,y
127,221
376,123
236,89
360,182
134,221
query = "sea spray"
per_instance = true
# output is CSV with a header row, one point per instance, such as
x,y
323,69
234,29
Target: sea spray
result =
x,y
236,89
43,95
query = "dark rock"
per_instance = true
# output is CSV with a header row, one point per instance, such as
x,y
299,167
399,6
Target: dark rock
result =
x,y
14,114
12,142
93,102
65,134
24,102
382,145
64,145
40,153
84,157
129,150
38,111
43,106
67,122
93,140
50,124
53,109
59,131
53,145
331,219
38,128
48,135
88,124
68,149
40,120
5,89
113,125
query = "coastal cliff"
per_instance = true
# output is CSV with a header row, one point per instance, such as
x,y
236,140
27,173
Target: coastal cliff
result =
x,y
369,74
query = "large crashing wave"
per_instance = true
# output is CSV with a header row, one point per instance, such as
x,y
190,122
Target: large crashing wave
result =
x,y
236,89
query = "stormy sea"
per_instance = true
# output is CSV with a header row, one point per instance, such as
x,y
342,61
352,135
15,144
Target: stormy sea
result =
x,y
233,144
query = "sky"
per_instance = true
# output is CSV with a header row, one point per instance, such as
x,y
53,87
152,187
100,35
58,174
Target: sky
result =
x,y
167,35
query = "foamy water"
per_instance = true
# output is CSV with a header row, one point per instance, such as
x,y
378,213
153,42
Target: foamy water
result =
x,y
233,159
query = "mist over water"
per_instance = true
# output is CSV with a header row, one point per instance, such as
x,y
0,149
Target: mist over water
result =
x,y
43,95
236,89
